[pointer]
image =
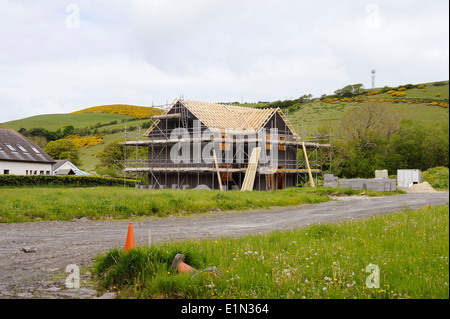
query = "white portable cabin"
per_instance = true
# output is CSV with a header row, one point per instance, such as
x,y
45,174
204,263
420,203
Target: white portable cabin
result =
x,y
408,177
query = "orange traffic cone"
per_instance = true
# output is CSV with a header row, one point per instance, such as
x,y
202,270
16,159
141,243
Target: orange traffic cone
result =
x,y
180,265
130,238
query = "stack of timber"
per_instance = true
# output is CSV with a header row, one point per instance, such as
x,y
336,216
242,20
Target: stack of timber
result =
x,y
249,178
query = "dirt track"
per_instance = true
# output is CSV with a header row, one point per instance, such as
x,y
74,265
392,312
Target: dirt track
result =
x,y
41,274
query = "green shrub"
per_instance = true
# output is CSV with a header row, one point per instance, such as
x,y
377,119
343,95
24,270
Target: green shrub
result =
x,y
437,177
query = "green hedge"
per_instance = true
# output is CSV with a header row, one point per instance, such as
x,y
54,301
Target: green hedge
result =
x,y
58,180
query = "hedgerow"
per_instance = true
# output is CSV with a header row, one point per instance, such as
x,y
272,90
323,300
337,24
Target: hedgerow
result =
x,y
65,180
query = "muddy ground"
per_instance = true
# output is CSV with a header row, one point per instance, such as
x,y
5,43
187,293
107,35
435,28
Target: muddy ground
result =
x,y
34,256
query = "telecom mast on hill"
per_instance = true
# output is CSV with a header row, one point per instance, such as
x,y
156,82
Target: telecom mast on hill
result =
x,y
373,79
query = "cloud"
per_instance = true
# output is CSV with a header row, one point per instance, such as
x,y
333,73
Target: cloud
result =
x,y
139,52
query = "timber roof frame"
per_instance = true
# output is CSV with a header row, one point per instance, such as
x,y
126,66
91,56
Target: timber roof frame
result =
x,y
223,117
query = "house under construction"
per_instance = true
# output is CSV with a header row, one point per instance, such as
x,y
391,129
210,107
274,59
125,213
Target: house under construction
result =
x,y
228,147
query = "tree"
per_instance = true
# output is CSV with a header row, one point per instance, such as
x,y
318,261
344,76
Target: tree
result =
x,y
113,155
369,117
376,136
359,141
68,130
417,145
350,90
64,149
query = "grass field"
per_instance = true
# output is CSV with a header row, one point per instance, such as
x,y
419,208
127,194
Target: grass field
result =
x,y
63,203
410,248
429,92
52,122
317,113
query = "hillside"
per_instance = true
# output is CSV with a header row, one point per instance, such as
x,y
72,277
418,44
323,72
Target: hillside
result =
x,y
318,113
426,102
139,112
420,103
53,122
107,120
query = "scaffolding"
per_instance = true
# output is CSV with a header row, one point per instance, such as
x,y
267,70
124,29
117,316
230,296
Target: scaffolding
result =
x,y
163,173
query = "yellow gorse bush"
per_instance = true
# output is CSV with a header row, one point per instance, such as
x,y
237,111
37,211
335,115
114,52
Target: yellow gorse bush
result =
x,y
399,94
331,100
124,109
442,104
86,141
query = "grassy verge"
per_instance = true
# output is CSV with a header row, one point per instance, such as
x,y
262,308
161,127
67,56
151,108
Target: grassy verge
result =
x,y
49,203
411,249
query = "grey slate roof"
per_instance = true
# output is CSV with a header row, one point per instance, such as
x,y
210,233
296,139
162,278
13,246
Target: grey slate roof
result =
x,y
16,147
58,164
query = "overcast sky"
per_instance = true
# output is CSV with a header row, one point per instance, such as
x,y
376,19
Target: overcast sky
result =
x,y
60,56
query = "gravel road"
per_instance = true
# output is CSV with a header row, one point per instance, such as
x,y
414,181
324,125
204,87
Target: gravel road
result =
x,y
40,273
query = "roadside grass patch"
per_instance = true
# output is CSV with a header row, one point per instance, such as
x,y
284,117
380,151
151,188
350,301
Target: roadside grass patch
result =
x,y
96,203
411,249
49,203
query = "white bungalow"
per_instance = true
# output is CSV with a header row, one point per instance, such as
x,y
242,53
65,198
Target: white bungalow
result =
x,y
20,156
